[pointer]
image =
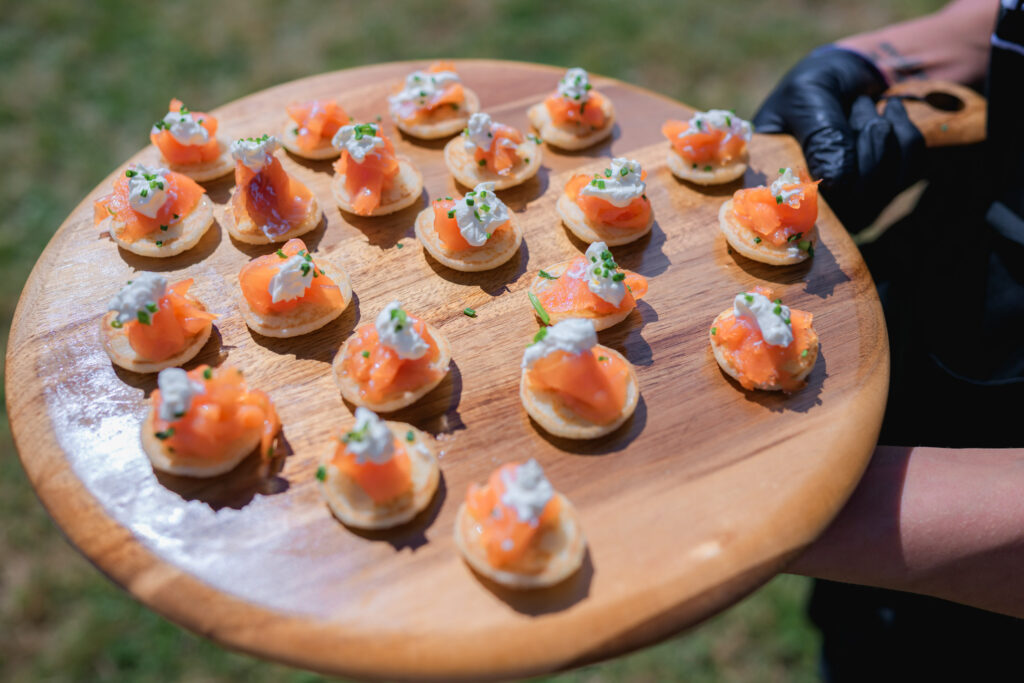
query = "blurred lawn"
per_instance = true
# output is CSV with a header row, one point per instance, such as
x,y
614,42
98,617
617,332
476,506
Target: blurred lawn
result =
x,y
82,83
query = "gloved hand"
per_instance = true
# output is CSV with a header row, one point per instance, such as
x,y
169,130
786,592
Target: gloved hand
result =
x,y
862,158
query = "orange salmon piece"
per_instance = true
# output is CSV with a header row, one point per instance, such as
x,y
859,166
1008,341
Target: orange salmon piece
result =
x,y
170,326
317,120
504,537
704,146
500,158
365,182
569,293
274,200
758,210
183,195
589,113
255,277
592,388
382,372
383,482
177,153
636,214
219,415
448,228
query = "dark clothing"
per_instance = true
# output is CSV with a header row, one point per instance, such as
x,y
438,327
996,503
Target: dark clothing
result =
x,y
951,280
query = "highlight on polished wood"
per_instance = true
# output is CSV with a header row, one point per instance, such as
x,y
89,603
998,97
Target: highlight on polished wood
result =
x,y
702,496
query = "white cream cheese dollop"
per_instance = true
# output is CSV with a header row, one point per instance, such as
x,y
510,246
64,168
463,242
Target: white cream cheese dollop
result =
x,y
478,132
602,274
527,491
719,119
479,214
395,331
147,189
292,280
575,85
176,392
255,152
421,86
573,336
185,128
618,185
139,295
358,140
369,440
791,196
770,317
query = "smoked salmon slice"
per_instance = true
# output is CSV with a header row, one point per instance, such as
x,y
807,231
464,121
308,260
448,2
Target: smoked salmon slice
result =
x,y
177,153
274,201
316,121
166,332
591,384
380,372
255,279
637,214
777,218
504,537
366,181
183,194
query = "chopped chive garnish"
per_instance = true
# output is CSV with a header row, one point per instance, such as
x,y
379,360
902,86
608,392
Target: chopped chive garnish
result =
x,y
163,227
470,312
541,313
757,240
600,184
116,324
152,308
165,435
482,162
803,354
469,202
144,318
777,310
159,243
366,354
778,199
607,173
451,214
400,245
624,172
409,436
619,277
781,171
794,237
281,254
785,320
714,331
749,298
707,168
546,275
804,245
208,373
321,473
541,333
602,358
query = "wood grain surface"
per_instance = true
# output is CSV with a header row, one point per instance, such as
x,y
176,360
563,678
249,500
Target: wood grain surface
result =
x,y
698,499
943,127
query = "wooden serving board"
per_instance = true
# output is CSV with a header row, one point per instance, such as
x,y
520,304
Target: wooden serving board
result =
x,y
701,497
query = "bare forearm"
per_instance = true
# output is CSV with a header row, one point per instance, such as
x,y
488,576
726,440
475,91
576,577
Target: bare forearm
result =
x,y
951,44
942,522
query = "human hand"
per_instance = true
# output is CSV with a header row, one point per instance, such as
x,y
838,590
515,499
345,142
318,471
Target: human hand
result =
x,y
862,158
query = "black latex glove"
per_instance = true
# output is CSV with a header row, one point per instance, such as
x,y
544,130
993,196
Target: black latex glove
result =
x,y
863,159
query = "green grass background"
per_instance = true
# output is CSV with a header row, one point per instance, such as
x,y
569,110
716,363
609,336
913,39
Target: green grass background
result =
x,y
82,82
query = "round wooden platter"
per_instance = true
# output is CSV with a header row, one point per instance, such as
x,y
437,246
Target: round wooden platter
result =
x,y
698,499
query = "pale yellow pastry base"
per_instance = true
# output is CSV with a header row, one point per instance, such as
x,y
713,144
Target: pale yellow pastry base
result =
x,y
469,172
444,127
601,322
570,137
178,237
174,463
304,318
742,240
115,343
208,170
551,413
803,366
560,550
718,175
404,191
355,508
503,245
589,231
350,388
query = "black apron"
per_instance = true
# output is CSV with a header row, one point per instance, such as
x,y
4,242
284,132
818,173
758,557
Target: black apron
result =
x,y
951,280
